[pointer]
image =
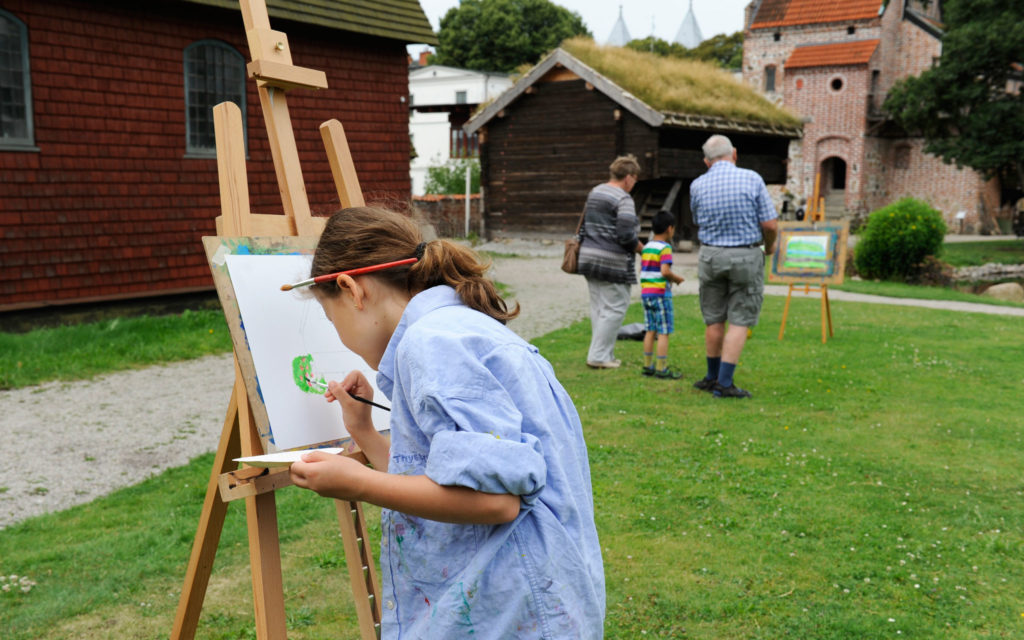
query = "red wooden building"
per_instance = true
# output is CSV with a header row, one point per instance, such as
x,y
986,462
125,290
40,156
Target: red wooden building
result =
x,y
108,174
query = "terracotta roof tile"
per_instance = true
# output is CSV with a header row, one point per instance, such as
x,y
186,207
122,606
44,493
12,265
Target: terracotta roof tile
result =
x,y
832,55
786,13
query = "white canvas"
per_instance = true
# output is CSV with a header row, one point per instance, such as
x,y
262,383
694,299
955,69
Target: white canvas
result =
x,y
281,326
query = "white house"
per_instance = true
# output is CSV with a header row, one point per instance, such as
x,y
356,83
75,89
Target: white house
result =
x,y
441,100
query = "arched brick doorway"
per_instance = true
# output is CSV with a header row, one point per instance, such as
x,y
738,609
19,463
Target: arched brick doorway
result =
x,y
833,186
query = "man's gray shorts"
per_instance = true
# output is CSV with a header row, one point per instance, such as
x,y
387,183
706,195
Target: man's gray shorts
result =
x,y
731,284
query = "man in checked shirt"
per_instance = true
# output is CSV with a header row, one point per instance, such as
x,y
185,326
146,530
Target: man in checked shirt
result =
x,y
736,217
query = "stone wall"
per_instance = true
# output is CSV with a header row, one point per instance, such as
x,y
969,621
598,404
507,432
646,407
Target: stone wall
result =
x,y
447,214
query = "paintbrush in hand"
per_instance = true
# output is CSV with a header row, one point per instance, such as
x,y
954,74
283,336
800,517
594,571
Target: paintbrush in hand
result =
x,y
320,386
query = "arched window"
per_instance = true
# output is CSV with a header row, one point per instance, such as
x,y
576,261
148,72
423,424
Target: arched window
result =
x,y
214,73
16,129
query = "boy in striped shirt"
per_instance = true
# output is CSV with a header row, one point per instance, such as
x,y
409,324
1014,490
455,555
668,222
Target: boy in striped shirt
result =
x,y
656,294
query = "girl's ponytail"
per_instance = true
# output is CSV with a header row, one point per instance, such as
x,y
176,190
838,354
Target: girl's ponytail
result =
x,y
365,236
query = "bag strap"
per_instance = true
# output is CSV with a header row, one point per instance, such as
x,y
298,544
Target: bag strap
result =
x,y
579,225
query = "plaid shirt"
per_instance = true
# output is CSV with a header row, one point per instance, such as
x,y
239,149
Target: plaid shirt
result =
x,y
729,204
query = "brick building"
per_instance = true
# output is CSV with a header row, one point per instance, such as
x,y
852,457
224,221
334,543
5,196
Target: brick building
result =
x,y
832,62
108,175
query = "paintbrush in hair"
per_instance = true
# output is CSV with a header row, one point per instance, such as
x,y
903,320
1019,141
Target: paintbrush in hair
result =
x,y
351,272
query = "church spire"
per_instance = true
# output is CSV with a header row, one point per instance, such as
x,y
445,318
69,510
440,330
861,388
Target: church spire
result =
x,y
619,36
689,34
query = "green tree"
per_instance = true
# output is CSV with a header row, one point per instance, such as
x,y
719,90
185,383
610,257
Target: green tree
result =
x,y
969,108
500,35
725,51
660,47
450,177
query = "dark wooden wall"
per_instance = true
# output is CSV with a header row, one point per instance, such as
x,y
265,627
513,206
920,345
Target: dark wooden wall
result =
x,y
553,145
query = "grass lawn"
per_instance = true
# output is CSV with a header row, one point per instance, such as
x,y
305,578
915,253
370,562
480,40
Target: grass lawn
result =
x,y
967,254
80,351
870,489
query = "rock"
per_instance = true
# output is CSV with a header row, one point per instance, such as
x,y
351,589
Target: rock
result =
x,y
1010,291
990,271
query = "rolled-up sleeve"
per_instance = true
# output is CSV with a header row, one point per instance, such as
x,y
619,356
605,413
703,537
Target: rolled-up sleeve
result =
x,y
472,426
483,462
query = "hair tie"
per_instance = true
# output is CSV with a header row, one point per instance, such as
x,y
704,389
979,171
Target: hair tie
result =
x,y
420,248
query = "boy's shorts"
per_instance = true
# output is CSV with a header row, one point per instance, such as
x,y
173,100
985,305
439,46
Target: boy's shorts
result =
x,y
658,315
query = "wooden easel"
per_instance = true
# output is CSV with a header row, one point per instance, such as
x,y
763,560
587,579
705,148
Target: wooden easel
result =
x,y
274,73
816,215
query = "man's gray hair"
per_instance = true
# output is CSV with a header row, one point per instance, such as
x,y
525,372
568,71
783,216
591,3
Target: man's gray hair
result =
x,y
717,147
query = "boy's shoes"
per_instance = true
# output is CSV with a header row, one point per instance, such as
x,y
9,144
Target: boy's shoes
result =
x,y
732,391
647,371
706,384
611,364
668,373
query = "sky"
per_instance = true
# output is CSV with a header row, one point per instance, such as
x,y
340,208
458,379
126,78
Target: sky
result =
x,y
663,17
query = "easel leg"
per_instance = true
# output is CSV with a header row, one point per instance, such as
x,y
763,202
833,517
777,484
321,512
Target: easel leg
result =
x,y
264,545
265,562
824,313
785,312
828,308
361,571
211,523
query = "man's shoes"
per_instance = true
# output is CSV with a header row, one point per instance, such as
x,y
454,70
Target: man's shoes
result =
x,y
705,384
647,371
732,391
668,373
610,364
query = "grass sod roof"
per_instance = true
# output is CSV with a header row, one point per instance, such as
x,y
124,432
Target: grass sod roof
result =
x,y
678,87
401,20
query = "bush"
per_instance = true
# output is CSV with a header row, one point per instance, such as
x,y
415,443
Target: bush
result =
x,y
897,238
450,178
932,272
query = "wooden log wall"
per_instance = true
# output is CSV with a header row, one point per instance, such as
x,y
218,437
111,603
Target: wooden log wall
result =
x,y
550,149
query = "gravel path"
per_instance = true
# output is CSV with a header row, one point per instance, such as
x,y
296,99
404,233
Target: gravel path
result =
x,y
68,443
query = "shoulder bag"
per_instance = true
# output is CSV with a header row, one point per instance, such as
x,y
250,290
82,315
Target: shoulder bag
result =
x,y
572,249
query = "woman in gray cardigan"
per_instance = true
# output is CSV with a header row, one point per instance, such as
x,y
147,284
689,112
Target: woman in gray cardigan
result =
x,y
610,240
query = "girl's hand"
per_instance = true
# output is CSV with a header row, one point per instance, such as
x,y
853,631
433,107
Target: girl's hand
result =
x,y
357,417
355,414
332,476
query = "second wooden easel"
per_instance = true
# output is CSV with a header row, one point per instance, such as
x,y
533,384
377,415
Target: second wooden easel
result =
x,y
274,73
817,280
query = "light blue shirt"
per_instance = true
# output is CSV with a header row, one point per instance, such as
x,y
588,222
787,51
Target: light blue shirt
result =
x,y
474,405
729,204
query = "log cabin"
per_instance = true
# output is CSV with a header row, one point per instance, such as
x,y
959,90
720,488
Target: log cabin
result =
x,y
550,138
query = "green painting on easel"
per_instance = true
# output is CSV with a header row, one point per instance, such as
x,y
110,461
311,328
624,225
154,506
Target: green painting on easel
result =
x,y
807,253
810,253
